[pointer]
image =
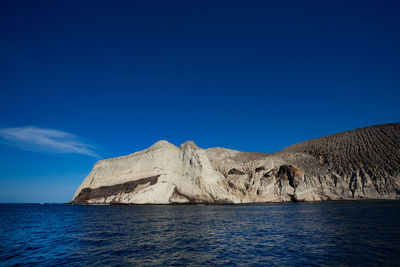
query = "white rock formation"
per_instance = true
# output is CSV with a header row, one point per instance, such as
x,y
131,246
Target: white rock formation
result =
x,y
184,174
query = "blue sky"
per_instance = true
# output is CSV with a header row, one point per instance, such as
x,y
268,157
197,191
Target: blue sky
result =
x,y
86,80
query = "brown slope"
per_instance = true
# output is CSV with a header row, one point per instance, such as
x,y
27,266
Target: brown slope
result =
x,y
369,153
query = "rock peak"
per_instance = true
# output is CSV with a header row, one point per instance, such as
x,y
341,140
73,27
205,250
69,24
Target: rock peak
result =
x,y
162,143
189,144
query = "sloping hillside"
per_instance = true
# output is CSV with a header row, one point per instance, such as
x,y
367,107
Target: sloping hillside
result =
x,y
361,156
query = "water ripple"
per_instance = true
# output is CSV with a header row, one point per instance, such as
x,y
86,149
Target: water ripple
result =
x,y
331,233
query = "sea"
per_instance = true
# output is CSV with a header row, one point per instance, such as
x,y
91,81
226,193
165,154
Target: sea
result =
x,y
362,233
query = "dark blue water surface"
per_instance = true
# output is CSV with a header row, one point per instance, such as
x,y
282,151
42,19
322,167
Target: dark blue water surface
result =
x,y
328,233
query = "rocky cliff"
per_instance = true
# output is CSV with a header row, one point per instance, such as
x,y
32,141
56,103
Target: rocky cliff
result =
x,y
358,164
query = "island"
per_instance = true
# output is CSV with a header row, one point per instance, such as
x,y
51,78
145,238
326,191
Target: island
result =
x,y
359,164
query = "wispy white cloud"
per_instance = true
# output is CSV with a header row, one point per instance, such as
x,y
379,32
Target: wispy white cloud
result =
x,y
46,140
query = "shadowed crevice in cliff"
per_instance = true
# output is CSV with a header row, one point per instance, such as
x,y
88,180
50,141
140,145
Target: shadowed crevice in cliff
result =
x,y
291,174
106,191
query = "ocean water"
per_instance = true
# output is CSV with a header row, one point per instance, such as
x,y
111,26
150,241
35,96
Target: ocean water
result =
x,y
326,233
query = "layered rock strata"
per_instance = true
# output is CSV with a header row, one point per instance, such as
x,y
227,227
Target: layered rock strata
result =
x,y
358,164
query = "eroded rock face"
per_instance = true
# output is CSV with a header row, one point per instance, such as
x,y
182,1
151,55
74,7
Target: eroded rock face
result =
x,y
291,174
359,164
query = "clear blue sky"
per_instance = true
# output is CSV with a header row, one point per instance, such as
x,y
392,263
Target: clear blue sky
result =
x,y
86,80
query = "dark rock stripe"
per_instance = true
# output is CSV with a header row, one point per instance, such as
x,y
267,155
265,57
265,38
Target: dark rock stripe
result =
x,y
235,171
106,191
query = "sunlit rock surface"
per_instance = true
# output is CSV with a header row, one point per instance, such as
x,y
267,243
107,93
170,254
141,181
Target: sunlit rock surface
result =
x,y
358,164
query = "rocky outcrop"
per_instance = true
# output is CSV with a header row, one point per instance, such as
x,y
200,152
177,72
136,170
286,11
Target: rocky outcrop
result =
x,y
358,164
